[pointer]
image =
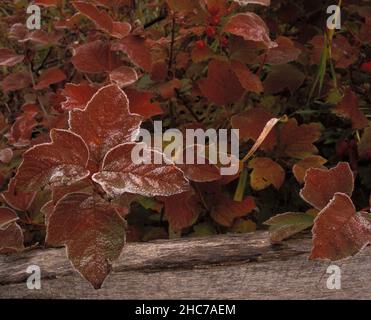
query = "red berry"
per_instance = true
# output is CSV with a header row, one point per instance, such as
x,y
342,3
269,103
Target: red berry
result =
x,y
366,67
210,32
224,41
215,20
200,44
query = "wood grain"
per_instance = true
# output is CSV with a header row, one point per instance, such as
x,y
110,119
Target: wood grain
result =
x,y
220,267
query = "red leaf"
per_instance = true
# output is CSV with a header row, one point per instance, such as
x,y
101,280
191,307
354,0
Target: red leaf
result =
x,y
124,76
137,50
101,18
285,52
140,103
49,3
18,200
181,210
11,239
321,184
249,26
77,96
249,81
119,174
16,81
21,130
300,168
221,85
92,231
297,141
7,216
8,58
225,210
42,37
339,232
251,123
202,170
61,162
281,77
95,57
48,77
106,121
349,108
120,29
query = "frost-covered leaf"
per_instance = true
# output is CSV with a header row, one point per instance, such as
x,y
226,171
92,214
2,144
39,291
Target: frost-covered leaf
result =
x,y
124,76
7,216
11,239
61,162
92,231
339,231
285,52
321,184
266,172
106,122
6,155
285,225
77,96
266,3
8,58
249,26
18,200
120,174
300,168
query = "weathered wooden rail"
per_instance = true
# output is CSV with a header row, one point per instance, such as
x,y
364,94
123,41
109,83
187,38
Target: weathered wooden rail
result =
x,y
220,267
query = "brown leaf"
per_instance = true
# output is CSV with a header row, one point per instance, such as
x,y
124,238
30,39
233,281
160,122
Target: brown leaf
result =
x,y
321,184
225,210
60,162
95,57
339,231
251,124
249,26
181,210
221,85
120,174
16,81
249,81
297,141
300,168
92,231
106,121
266,172
349,108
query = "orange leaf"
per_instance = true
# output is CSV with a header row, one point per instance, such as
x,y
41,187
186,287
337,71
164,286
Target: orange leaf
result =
x,y
266,172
